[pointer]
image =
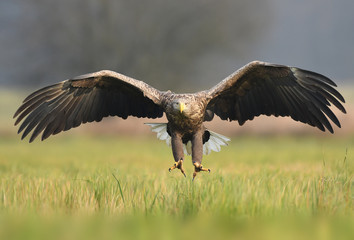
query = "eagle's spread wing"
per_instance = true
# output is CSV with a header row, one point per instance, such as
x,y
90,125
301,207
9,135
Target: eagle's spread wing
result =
x,y
86,98
263,88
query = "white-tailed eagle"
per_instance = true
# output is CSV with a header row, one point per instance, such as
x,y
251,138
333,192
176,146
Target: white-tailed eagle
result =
x,y
258,88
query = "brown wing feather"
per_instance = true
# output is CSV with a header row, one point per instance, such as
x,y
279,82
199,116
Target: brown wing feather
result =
x,y
86,98
269,89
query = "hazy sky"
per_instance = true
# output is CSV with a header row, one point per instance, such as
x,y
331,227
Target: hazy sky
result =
x,y
313,34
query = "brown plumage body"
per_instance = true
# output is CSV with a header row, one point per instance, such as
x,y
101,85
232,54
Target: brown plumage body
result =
x,y
255,89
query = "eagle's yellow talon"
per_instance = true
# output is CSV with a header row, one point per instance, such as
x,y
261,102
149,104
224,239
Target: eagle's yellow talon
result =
x,y
198,168
179,165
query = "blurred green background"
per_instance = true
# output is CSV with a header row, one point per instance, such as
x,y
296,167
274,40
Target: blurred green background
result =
x,y
278,179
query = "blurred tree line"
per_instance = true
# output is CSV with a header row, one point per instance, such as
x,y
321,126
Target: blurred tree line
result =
x,y
159,41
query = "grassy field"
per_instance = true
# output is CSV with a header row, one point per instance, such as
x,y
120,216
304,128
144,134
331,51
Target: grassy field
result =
x,y
75,187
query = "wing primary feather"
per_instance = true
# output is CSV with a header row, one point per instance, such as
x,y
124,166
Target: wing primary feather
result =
x,y
39,114
33,114
59,117
334,101
316,85
307,73
37,100
321,104
48,119
33,119
324,109
52,126
41,91
320,116
32,104
304,103
321,98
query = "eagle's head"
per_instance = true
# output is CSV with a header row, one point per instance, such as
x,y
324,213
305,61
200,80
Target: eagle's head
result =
x,y
184,107
180,106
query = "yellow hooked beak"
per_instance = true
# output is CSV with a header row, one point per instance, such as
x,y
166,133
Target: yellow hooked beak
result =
x,y
182,107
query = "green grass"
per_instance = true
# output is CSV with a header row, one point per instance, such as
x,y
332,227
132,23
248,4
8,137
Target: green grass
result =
x,y
72,187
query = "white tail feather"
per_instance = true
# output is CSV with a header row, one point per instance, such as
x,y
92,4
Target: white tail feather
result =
x,y
161,130
214,143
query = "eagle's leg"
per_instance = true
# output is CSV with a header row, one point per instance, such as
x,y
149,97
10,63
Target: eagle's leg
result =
x,y
197,153
178,154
